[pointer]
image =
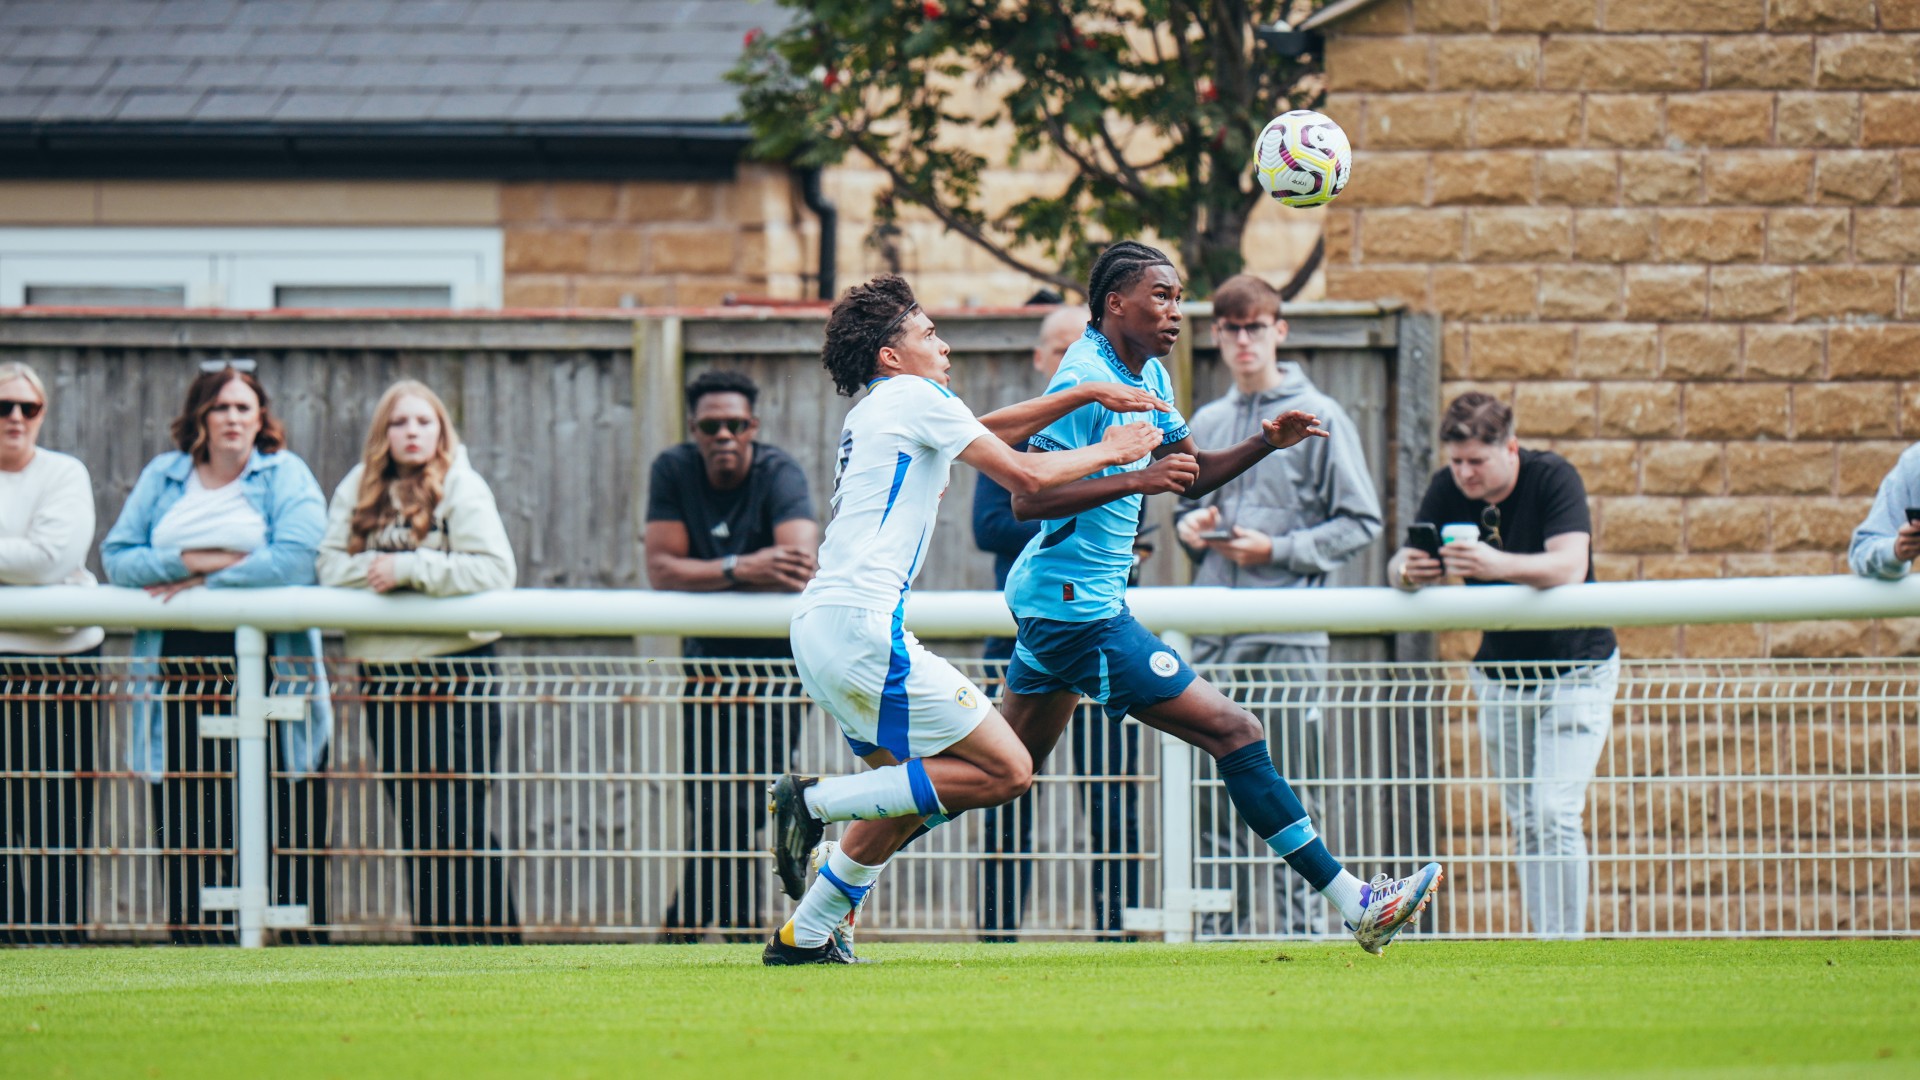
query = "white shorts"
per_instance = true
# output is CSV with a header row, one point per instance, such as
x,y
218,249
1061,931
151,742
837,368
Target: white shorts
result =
x,y
883,687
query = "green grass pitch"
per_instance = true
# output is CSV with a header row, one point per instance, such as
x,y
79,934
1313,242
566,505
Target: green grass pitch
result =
x,y
1615,1008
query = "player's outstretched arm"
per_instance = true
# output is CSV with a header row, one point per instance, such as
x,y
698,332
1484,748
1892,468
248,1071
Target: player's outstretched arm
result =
x,y
1172,473
1017,423
1219,466
1025,474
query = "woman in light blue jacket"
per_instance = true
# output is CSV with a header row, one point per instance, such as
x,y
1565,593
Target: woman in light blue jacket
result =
x,y
230,508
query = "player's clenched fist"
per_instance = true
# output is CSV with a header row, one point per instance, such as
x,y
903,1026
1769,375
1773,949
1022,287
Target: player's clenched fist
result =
x,y
1125,399
1290,427
1174,473
1131,442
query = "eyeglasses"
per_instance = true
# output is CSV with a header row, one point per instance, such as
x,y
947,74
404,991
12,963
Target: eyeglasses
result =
x,y
1254,330
1490,526
27,409
238,363
734,426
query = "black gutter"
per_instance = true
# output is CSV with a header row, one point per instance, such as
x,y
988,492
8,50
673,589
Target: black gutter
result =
x,y
485,150
829,216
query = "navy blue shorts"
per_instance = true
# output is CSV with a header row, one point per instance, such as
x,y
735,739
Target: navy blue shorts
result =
x,y
1115,661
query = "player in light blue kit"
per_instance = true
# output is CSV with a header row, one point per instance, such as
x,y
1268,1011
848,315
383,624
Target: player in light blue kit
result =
x,y
1068,590
935,742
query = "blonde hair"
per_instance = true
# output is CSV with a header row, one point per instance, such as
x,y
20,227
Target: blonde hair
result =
x,y
14,369
386,496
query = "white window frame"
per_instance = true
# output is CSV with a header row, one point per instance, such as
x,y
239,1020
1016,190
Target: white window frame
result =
x,y
241,267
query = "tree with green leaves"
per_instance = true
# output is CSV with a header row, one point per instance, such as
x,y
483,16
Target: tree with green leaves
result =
x,y
1153,104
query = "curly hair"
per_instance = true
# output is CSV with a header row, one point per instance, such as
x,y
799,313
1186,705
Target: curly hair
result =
x,y
865,321
1118,267
722,381
189,429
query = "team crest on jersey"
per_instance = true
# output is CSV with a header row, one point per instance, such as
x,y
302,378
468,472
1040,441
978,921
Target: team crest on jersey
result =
x,y
965,697
1163,664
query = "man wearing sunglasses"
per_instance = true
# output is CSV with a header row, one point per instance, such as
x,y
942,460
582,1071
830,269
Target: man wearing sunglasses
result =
x,y
1516,516
727,512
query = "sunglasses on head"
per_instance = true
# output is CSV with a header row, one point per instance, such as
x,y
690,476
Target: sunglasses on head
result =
x,y
27,409
734,426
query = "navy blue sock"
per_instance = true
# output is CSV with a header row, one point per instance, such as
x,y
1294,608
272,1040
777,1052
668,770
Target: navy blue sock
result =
x,y
1270,808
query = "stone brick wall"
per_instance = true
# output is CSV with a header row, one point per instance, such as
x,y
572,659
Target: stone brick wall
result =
x,y
1678,237
639,243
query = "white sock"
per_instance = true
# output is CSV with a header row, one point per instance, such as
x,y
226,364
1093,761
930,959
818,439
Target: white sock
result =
x,y
1344,891
888,792
828,901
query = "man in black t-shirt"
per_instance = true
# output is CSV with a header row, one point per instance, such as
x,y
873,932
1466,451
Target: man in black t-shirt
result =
x,y
725,512
1514,516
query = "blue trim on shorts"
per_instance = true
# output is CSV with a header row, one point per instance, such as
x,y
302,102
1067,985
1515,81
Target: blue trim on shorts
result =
x,y
1293,837
860,749
924,799
892,729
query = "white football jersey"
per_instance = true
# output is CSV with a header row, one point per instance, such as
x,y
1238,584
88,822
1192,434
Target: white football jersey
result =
x,y
896,452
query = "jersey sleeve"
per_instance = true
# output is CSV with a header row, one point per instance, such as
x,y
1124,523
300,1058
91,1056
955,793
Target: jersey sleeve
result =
x,y
943,422
1075,429
1173,426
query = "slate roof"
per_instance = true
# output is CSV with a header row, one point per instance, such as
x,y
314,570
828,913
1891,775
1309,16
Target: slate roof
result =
x,y
219,64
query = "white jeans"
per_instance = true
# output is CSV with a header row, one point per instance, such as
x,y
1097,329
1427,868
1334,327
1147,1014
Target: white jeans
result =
x,y
1543,742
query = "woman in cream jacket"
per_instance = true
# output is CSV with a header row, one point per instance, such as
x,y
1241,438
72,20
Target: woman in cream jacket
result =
x,y
414,515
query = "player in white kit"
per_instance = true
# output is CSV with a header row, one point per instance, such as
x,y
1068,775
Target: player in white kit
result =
x,y
936,744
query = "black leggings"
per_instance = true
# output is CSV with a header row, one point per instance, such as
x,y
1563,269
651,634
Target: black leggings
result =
x,y
437,716
48,708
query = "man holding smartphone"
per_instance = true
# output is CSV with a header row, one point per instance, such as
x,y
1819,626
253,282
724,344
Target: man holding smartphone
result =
x,y
1886,543
1286,523
1508,515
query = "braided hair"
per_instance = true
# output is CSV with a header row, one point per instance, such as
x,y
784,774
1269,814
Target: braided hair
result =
x,y
865,321
1117,268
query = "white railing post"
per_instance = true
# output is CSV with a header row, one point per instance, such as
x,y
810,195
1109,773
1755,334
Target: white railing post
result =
x,y
1179,900
247,726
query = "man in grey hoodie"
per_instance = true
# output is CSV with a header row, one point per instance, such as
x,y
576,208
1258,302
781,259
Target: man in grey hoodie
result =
x,y
1286,523
1886,543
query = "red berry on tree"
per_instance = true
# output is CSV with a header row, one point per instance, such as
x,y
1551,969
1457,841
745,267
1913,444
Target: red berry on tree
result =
x,y
931,10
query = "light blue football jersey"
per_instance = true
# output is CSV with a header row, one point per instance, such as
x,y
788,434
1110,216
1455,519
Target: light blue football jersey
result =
x,y
1075,570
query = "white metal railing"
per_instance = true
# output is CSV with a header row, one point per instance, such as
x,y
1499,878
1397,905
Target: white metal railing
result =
x,y
1757,797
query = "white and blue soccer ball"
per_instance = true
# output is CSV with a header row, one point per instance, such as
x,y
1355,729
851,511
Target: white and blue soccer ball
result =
x,y
1302,158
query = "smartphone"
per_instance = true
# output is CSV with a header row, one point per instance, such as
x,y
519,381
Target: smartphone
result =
x,y
1913,515
1424,536
1217,534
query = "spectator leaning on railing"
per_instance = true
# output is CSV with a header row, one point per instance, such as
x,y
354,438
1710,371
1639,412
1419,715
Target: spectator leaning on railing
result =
x,y
414,515
46,527
1286,523
1546,696
229,508
727,512
1886,543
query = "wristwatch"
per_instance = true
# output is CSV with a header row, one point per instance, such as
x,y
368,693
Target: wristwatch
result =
x,y
726,569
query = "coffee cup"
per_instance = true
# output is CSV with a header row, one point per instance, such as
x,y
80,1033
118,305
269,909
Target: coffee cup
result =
x,y
1459,532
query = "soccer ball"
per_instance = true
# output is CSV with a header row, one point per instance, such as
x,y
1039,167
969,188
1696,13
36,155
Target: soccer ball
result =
x,y
1302,158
